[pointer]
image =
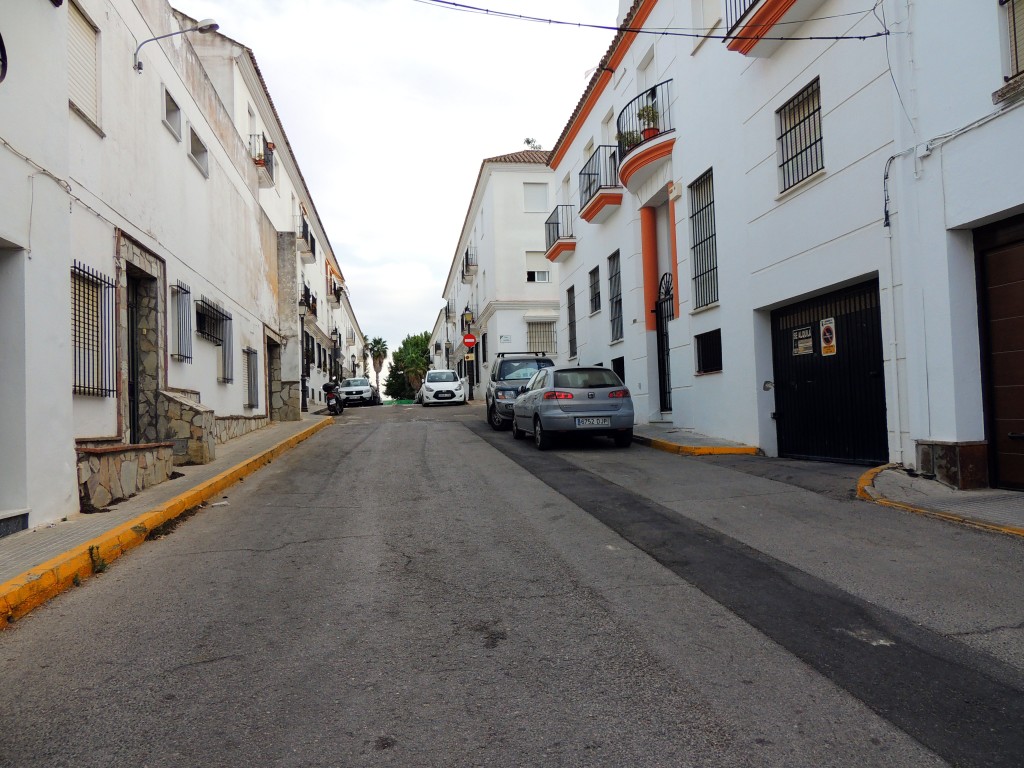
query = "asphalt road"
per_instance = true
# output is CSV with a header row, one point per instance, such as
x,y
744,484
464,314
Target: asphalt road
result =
x,y
409,588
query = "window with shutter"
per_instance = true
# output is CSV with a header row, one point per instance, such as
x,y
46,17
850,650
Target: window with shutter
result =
x,y
1015,26
83,50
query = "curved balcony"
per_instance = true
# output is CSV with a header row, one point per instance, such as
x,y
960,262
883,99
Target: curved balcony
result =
x,y
645,135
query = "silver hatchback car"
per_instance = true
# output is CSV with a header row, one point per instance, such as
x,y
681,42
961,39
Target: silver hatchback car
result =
x,y
573,400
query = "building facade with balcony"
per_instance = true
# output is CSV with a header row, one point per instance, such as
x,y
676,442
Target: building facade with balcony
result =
x,y
313,295
500,287
130,196
792,249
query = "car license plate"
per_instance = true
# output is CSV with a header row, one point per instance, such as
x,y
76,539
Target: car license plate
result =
x,y
593,421
444,395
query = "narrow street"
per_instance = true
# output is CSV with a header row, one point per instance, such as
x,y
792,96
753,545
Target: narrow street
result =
x,y
410,588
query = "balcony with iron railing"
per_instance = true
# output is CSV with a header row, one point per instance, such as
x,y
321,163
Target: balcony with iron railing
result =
x,y
645,135
600,191
469,264
309,300
558,235
262,152
304,240
753,26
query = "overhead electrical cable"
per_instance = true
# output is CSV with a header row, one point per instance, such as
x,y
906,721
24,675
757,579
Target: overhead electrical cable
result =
x,y
663,31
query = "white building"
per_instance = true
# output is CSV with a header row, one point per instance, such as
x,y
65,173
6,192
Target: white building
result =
x,y
500,288
776,238
149,281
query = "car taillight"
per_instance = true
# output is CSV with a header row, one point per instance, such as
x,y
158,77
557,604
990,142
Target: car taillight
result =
x,y
619,393
556,394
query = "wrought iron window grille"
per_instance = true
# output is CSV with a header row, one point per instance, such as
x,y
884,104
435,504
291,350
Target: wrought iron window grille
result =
x,y
703,251
615,296
93,332
595,290
800,148
570,308
250,360
540,337
182,296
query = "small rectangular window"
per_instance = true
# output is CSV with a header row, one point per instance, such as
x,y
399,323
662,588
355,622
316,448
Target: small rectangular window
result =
x,y
535,197
252,377
538,276
709,351
595,290
799,137
83,64
172,115
92,332
703,248
182,296
1015,27
540,337
213,323
570,309
197,151
615,296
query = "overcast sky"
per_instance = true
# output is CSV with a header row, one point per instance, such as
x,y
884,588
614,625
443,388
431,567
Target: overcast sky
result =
x,y
391,105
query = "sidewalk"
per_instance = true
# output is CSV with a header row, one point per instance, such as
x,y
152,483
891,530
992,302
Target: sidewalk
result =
x,y
990,508
39,563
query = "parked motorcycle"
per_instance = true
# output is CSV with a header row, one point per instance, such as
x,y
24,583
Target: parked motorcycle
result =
x,y
335,404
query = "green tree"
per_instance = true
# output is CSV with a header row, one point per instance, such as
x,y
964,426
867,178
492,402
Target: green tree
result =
x,y
413,359
396,386
378,349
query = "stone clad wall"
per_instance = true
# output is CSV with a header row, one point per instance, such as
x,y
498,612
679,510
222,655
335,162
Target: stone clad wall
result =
x,y
230,427
189,425
112,473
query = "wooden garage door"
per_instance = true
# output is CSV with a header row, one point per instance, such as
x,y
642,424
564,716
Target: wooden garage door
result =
x,y
1001,257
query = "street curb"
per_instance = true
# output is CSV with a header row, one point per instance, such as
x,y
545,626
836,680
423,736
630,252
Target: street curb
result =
x,y
696,450
866,491
23,593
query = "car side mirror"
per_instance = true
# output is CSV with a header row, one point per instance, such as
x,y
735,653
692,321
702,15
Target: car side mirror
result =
x,y
522,389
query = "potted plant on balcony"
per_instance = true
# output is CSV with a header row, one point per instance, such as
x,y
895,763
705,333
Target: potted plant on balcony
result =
x,y
648,116
628,139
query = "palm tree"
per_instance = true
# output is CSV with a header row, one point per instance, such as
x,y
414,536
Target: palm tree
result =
x,y
378,349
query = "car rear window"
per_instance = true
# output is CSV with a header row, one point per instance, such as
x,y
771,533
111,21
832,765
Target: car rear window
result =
x,y
515,370
592,378
433,376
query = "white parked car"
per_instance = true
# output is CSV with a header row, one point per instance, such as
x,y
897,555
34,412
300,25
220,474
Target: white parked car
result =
x,y
442,387
358,391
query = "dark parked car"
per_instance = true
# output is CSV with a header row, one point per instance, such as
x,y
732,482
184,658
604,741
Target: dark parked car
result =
x,y
574,400
510,371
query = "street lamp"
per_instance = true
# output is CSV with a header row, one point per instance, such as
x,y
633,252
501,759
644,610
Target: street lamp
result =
x,y
202,27
467,318
353,365
335,341
302,348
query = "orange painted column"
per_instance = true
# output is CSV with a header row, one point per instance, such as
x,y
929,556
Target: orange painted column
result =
x,y
649,254
676,287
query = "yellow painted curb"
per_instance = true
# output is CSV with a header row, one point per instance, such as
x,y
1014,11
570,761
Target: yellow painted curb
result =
x,y
868,478
23,593
703,450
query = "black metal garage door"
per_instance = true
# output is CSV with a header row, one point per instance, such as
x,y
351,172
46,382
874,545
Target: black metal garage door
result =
x,y
829,382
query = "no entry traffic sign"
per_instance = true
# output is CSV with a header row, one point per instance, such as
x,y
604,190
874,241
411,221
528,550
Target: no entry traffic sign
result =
x,y
469,340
